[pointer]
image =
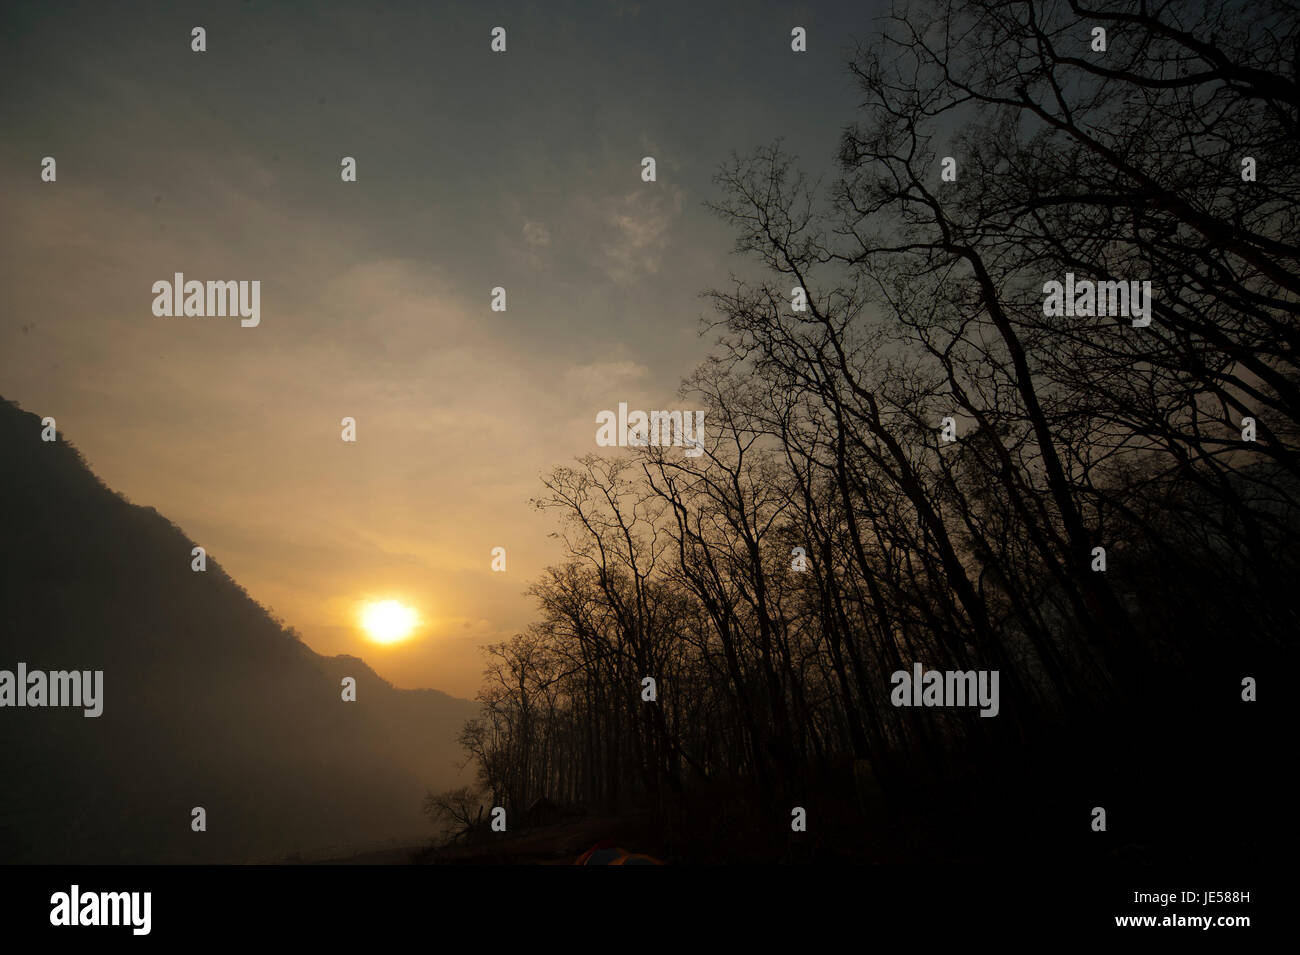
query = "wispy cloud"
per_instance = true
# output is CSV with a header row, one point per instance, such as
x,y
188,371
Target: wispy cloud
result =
x,y
535,234
637,229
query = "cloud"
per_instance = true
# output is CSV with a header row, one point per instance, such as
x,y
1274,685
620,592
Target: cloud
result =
x,y
638,226
535,234
600,379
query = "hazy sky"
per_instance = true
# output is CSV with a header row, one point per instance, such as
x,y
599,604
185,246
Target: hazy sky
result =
x,y
475,170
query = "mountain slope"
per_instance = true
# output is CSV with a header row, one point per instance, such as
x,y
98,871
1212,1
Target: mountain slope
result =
x,y
207,700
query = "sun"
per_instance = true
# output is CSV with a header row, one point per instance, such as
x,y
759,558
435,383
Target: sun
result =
x,y
388,621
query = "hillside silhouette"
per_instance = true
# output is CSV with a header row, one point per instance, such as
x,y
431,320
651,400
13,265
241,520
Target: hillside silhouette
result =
x,y
208,701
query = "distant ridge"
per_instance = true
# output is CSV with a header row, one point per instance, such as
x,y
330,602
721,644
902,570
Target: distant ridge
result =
x,y
208,701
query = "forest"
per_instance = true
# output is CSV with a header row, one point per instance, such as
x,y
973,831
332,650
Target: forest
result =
x,y
911,461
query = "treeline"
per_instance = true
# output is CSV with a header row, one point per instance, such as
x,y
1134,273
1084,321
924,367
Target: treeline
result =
x,y
1118,511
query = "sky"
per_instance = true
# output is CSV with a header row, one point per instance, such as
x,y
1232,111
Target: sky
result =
x,y
475,170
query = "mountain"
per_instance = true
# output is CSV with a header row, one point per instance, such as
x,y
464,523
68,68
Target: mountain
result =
x,y
208,701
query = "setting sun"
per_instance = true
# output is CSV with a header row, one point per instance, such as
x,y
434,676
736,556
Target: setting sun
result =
x,y
388,621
